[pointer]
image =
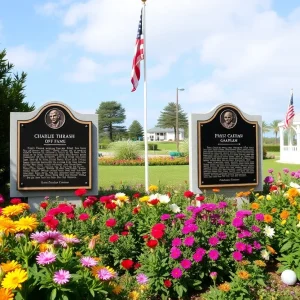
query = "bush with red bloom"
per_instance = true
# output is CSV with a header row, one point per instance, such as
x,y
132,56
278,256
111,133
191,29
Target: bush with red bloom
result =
x,y
158,230
110,205
136,210
167,283
125,232
80,192
107,199
111,222
113,238
83,217
188,194
136,195
50,222
154,201
127,264
87,203
15,201
44,205
200,198
152,243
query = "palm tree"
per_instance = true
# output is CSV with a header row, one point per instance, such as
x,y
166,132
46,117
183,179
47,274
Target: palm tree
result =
x,y
275,128
265,128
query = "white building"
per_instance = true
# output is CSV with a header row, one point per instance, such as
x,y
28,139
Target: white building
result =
x,y
163,134
290,150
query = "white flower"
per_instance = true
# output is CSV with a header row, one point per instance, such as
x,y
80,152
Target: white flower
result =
x,y
269,231
265,254
295,185
298,225
175,208
119,195
164,199
154,196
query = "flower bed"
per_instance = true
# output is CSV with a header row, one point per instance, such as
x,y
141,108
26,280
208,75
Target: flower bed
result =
x,y
168,244
153,161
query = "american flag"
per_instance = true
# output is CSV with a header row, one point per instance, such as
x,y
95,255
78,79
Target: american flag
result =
x,y
138,55
290,113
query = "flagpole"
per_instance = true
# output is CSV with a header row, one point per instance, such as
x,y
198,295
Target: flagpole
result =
x,y
145,102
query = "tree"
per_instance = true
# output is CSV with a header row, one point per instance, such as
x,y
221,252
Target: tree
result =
x,y
11,100
135,130
167,118
265,128
111,113
275,128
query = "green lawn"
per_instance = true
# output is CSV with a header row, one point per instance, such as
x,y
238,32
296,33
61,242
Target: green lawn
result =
x,y
166,175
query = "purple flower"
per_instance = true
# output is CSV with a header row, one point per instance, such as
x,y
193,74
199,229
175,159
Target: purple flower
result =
x,y
43,237
293,174
243,213
240,246
222,235
259,217
88,261
176,273
286,170
61,277
189,228
249,249
141,278
255,228
176,242
46,258
199,254
189,241
210,206
213,275
186,263
270,171
238,256
237,222
222,204
244,234
213,254
221,222
165,217
213,241
104,274
269,179
175,253
256,245
180,216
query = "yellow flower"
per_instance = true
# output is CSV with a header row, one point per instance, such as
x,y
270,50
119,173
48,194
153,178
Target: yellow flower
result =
x,y
153,188
10,266
225,287
298,217
117,289
261,197
144,199
269,197
7,226
260,263
283,222
13,280
293,192
25,206
134,295
244,262
46,247
26,224
257,194
121,197
12,210
6,294
243,275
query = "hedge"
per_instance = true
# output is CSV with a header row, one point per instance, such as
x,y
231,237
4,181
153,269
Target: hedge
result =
x,y
272,148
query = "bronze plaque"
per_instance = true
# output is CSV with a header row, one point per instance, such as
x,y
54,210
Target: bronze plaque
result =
x,y
227,150
54,151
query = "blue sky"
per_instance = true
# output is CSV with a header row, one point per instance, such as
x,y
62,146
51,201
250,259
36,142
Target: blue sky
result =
x,y
232,51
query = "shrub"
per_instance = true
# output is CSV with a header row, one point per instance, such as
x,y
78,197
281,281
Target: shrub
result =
x,y
126,150
184,147
272,148
152,147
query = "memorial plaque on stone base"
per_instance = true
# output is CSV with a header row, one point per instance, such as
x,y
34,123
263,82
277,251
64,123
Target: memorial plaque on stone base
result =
x,y
54,151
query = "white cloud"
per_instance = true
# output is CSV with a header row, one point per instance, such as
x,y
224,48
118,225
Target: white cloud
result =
x,y
55,8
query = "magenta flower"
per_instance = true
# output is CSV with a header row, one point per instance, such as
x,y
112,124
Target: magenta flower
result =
x,y
141,278
243,213
213,254
88,261
238,256
221,222
222,204
240,246
222,235
249,249
104,274
286,170
259,217
175,253
186,263
176,273
165,217
176,242
270,171
61,277
269,179
213,241
237,222
189,241
255,228
1,199
180,216
256,245
188,228
46,258
244,234
199,254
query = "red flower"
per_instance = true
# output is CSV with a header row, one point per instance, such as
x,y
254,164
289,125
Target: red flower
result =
x,y
146,236
136,210
158,234
15,201
128,225
70,216
113,238
87,203
169,194
153,201
106,199
137,265
200,198
152,243
111,222
136,195
44,205
51,222
111,205
83,217
80,192
127,264
167,283
273,188
188,194
125,232
159,226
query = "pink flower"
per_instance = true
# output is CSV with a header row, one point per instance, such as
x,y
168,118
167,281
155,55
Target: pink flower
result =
x,y
80,192
46,258
259,217
186,263
1,199
15,201
238,256
240,246
221,235
255,228
175,253
176,242
189,241
111,222
104,274
113,238
176,273
61,277
199,254
83,217
213,241
213,254
237,222
141,278
165,217
256,245
88,261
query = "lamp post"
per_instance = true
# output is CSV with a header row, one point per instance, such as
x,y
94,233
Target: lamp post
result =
x,y
177,125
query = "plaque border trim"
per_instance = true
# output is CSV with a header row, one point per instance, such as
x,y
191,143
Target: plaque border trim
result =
x,y
199,122
88,187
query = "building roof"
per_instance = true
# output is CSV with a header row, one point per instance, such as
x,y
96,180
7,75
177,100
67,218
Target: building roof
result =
x,y
162,130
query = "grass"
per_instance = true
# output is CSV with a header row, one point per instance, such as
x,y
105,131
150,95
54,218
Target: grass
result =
x,y
166,175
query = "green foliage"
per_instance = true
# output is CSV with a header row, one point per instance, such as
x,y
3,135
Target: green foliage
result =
x,y
272,148
110,114
135,130
126,149
184,147
152,146
11,100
